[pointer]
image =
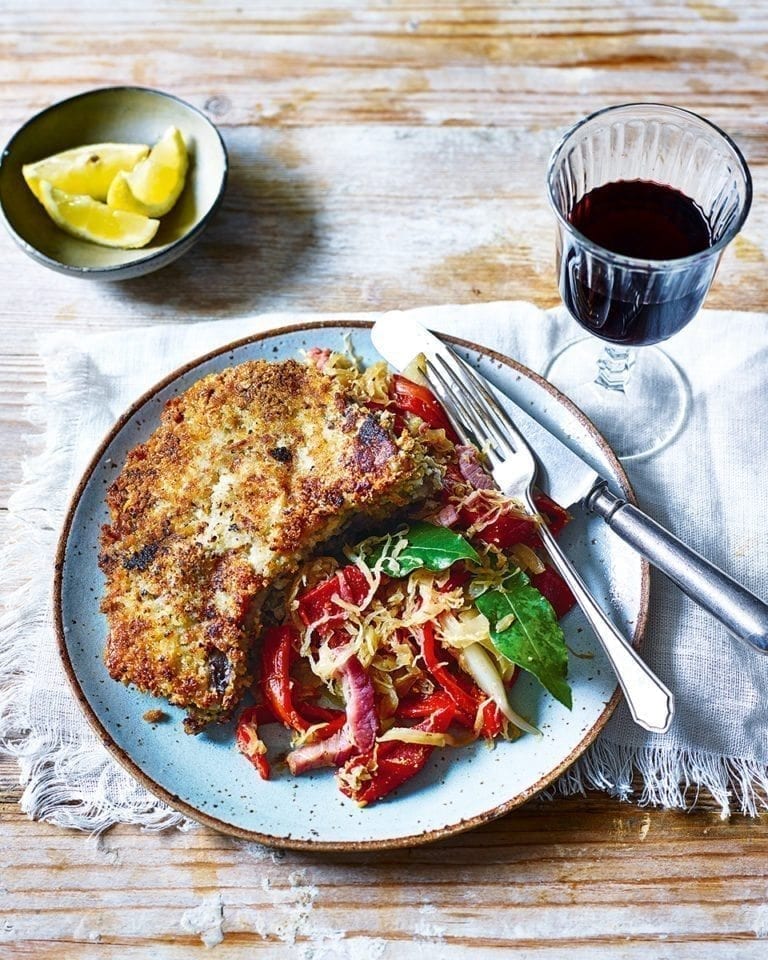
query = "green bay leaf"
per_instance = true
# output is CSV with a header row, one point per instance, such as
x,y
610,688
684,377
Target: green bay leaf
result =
x,y
427,545
533,639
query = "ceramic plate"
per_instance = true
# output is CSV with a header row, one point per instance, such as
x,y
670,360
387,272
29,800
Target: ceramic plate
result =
x,y
206,778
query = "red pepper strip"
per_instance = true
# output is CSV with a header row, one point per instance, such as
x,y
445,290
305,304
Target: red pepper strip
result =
x,y
418,707
556,516
333,719
250,744
277,654
551,585
465,703
316,713
393,762
419,400
510,528
459,577
492,720
467,697
264,714
278,651
348,583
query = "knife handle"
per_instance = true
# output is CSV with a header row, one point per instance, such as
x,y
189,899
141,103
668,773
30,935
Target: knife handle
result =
x,y
742,613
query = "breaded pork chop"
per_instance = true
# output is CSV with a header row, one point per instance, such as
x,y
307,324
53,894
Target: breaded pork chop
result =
x,y
249,470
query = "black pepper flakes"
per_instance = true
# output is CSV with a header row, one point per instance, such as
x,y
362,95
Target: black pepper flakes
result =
x,y
281,454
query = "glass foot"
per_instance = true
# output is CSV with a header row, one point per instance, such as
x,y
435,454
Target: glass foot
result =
x,y
638,398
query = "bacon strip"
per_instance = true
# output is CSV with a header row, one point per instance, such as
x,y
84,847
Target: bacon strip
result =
x,y
333,752
358,735
361,705
472,469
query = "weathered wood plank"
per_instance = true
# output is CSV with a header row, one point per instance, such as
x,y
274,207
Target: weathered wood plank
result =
x,y
550,877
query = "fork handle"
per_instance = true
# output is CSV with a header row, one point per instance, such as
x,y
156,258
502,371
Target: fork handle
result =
x,y
650,702
742,613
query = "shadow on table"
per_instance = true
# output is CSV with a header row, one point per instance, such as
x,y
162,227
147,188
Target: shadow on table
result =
x,y
262,238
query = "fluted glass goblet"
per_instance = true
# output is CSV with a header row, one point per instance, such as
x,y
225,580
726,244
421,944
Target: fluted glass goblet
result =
x,y
647,196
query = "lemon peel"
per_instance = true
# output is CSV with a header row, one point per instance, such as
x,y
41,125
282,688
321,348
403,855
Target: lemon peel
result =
x,y
82,216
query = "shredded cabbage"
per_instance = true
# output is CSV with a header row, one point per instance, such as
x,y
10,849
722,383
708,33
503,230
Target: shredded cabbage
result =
x,y
424,737
379,631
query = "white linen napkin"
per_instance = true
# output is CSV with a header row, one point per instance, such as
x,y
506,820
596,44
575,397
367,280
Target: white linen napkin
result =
x,y
707,486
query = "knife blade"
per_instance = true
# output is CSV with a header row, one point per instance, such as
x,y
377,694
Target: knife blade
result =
x,y
571,480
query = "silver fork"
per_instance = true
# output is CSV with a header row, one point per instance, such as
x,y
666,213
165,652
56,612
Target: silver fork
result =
x,y
478,418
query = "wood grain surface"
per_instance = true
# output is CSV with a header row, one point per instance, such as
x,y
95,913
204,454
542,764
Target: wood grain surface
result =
x,y
383,154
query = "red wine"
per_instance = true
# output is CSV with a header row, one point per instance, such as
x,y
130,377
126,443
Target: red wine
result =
x,y
641,219
647,221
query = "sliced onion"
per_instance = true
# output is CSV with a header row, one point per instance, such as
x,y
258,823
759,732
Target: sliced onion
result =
x,y
478,663
527,558
415,371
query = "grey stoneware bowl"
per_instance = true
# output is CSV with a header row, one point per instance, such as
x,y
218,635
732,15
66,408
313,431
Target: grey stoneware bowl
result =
x,y
121,115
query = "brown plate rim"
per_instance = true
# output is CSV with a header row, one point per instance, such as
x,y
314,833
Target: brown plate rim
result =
x,y
125,760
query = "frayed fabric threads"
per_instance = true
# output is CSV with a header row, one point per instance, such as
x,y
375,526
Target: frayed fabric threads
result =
x,y
69,779
669,778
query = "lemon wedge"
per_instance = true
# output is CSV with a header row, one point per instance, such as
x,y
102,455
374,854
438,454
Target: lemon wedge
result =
x,y
85,170
89,219
153,186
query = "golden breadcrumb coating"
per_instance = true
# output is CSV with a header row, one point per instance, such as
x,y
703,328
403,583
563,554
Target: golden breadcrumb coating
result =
x,y
249,470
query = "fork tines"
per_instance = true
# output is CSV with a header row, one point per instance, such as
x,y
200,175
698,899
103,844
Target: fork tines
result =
x,y
471,406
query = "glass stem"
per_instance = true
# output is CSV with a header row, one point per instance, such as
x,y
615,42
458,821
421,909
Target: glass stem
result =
x,y
614,366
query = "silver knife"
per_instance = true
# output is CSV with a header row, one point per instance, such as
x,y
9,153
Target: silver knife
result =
x,y
400,340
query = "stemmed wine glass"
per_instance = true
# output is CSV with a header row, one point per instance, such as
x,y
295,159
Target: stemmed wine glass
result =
x,y
647,196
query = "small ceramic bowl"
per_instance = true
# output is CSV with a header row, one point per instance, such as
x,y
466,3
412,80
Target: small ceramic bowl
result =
x,y
121,115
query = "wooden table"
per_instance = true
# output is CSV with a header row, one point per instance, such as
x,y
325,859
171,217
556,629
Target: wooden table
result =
x,y
384,154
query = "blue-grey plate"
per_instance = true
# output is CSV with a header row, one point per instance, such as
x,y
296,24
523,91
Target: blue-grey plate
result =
x,y
206,778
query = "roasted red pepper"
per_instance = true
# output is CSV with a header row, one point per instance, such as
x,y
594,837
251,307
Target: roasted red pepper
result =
x,y
392,763
277,654
467,697
509,528
313,712
551,585
417,707
263,714
492,720
348,584
556,516
318,714
464,703
419,400
250,744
